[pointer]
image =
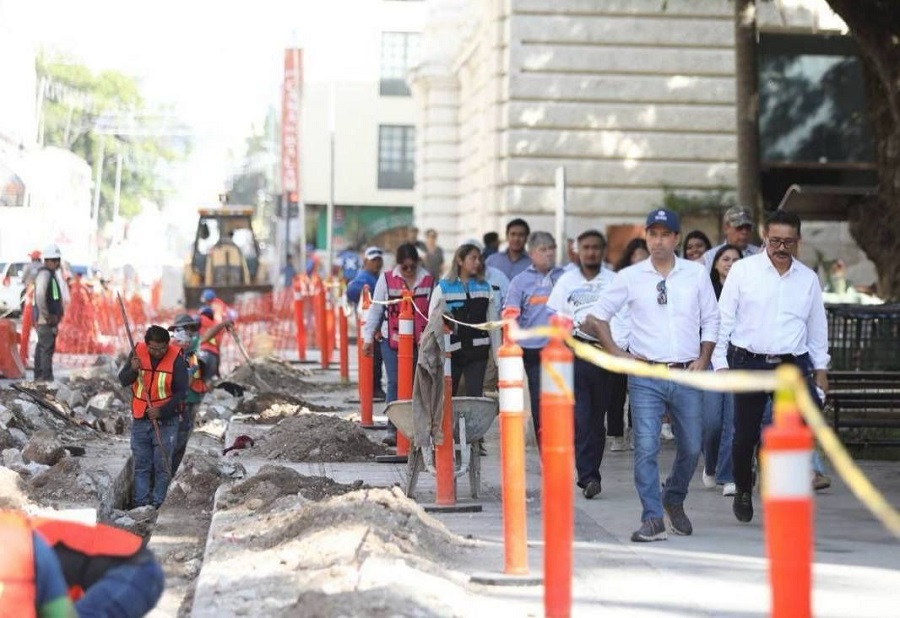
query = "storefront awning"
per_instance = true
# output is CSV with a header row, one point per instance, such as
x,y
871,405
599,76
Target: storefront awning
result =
x,y
824,202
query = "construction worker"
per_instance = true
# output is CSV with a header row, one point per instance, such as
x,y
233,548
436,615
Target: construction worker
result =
x,y
157,374
31,580
108,571
215,316
48,307
185,334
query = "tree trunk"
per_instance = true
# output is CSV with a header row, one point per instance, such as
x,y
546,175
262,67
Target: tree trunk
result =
x,y
875,24
746,104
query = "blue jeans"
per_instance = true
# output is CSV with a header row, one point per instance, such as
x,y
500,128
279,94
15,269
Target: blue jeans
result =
x,y
149,470
185,428
650,399
390,367
718,431
126,591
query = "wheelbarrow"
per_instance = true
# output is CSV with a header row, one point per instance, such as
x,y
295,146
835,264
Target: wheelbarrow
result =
x,y
472,418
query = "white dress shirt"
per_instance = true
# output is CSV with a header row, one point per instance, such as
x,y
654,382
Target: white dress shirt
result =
x,y
767,313
670,332
574,296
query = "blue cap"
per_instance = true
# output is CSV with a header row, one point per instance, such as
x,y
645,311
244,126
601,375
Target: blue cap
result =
x,y
666,218
207,295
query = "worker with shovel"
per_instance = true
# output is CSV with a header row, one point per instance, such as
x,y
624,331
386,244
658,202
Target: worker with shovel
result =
x,y
185,334
158,376
215,316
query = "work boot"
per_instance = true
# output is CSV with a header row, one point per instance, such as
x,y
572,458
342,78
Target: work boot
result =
x,y
821,481
743,506
651,530
592,489
678,519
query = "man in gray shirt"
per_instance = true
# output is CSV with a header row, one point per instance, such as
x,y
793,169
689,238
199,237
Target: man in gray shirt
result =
x,y
514,260
737,225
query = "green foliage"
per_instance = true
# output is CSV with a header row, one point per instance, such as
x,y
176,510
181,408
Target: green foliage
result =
x,y
78,105
712,202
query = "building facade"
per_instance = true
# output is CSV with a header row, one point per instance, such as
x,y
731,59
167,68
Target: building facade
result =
x,y
634,100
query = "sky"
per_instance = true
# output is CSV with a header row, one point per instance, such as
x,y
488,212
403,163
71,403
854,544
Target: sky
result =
x,y
217,64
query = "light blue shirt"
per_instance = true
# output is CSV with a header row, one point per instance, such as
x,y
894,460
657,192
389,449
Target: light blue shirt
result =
x,y
529,292
501,262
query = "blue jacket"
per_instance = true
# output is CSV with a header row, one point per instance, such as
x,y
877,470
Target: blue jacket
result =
x,y
355,287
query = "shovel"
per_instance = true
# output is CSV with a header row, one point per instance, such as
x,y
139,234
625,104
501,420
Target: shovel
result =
x,y
237,341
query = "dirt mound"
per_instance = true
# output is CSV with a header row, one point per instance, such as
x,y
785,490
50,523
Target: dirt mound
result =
x,y
195,482
275,374
376,603
65,482
315,437
11,495
270,407
394,523
273,482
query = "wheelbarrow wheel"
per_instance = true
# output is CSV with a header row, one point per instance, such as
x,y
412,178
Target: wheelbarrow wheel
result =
x,y
475,468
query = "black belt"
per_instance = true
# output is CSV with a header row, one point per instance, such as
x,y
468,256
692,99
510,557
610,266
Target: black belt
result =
x,y
684,365
771,359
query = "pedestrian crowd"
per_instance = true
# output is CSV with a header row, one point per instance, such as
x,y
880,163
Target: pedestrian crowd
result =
x,y
668,299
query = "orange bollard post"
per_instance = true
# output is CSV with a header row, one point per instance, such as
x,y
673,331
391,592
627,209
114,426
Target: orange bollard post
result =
x,y
511,374
788,503
405,368
330,322
298,319
445,468
557,451
321,324
344,350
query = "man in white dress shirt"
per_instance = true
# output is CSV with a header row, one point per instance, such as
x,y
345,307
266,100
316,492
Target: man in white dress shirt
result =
x,y
771,313
674,321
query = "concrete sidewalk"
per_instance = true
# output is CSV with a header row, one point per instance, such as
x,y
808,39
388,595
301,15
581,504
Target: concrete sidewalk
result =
x,y
718,571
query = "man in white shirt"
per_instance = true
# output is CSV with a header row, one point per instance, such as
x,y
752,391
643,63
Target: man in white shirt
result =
x,y
771,313
574,294
737,225
675,322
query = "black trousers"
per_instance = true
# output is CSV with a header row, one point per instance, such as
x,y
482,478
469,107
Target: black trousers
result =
x,y
531,358
591,400
470,365
615,412
43,352
748,413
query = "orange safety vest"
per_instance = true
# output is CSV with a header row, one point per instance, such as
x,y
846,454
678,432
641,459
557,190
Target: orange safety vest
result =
x,y
155,381
18,594
196,382
212,345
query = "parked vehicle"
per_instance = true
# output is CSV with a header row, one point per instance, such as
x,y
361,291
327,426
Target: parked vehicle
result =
x,y
12,289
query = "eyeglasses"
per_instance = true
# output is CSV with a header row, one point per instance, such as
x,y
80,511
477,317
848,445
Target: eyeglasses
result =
x,y
408,266
787,243
661,298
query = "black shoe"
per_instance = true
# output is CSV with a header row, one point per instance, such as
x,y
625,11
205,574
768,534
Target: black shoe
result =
x,y
482,452
743,506
390,440
650,530
678,520
378,396
592,489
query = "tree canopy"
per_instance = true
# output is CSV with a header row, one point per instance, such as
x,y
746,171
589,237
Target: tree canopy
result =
x,y
89,113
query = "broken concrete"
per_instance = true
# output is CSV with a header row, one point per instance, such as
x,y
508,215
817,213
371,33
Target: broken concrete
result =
x,y
318,437
44,448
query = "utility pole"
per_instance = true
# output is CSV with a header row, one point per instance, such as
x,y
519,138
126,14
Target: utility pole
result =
x,y
118,194
329,220
747,105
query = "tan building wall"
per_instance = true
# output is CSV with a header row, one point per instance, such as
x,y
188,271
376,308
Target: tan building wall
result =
x,y
629,98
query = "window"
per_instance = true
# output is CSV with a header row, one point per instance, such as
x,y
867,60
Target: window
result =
x,y
811,101
396,156
399,53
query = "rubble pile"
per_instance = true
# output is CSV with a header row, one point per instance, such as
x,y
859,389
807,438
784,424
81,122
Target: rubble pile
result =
x,y
318,437
196,481
271,373
274,485
65,484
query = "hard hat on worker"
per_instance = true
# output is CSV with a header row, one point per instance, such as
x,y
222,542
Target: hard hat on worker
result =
x,y
34,255
207,295
184,320
51,252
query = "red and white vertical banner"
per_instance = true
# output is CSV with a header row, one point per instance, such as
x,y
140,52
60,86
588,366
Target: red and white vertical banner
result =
x,y
290,122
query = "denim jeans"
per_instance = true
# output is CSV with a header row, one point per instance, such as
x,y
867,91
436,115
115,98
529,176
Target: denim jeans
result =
x,y
591,401
150,473
125,591
531,359
718,431
650,399
185,428
377,362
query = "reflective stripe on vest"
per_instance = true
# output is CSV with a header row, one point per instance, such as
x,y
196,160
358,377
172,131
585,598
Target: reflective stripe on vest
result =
x,y
467,303
196,380
152,382
17,582
421,298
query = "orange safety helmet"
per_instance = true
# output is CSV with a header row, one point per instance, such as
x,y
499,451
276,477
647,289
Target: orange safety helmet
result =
x,y
34,255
